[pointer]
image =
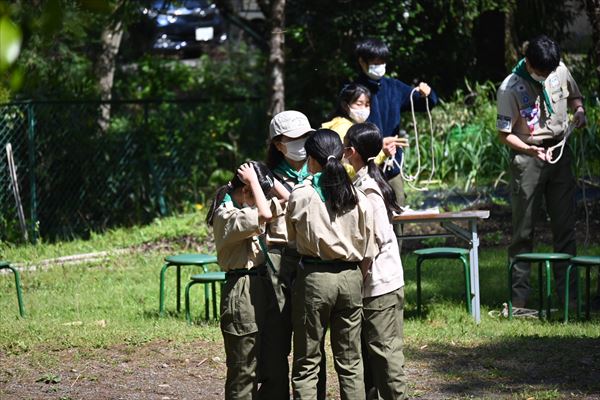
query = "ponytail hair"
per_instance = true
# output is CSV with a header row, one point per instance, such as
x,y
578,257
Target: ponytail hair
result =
x,y
326,148
265,179
367,141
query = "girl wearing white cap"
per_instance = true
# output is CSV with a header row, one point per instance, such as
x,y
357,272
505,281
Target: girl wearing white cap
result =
x,y
286,158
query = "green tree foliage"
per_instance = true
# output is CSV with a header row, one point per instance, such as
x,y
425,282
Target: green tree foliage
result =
x,y
442,42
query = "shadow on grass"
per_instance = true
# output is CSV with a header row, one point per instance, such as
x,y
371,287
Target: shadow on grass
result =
x,y
517,365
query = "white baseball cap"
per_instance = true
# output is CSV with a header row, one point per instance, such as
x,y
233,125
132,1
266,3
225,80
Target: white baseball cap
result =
x,y
292,124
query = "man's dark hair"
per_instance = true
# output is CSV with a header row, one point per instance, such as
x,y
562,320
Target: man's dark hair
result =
x,y
543,54
370,49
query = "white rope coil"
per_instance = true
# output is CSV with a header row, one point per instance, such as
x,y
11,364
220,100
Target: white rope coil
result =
x,y
391,161
560,144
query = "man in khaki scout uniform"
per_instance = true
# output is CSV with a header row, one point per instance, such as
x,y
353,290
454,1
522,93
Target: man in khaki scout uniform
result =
x,y
532,116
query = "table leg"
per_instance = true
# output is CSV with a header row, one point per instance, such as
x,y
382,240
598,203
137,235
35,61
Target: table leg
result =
x,y
474,266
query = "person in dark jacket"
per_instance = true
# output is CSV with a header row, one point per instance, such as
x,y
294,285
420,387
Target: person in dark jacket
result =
x,y
389,97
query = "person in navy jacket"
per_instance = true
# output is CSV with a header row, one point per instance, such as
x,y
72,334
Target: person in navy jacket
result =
x,y
389,97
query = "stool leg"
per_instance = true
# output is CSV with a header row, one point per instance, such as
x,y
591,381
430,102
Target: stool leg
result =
x,y
214,297
419,261
187,302
548,289
206,301
467,283
510,267
178,288
588,277
19,293
219,298
161,300
578,286
541,288
567,276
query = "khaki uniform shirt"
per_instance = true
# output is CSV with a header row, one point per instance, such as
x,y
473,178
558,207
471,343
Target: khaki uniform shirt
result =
x,y
315,232
522,111
236,232
277,230
386,273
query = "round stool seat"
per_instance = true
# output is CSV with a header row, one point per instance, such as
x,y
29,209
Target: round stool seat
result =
x,y
191,259
542,257
209,277
586,260
442,252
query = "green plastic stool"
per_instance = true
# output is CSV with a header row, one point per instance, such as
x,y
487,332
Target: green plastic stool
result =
x,y
207,278
202,260
448,253
6,265
543,259
586,262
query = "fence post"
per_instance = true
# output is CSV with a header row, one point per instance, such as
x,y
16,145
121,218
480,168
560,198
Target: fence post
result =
x,y
31,147
160,199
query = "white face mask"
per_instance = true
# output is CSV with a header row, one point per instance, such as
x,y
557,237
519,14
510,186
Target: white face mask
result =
x,y
295,150
376,71
537,77
359,115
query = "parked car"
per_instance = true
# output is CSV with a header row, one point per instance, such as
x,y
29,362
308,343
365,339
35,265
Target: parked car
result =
x,y
184,25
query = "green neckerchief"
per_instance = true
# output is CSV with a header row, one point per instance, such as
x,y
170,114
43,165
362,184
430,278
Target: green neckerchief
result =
x,y
285,169
316,182
261,242
521,71
229,198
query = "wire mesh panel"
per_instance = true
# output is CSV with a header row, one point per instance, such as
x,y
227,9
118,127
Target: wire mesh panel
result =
x,y
81,173
13,130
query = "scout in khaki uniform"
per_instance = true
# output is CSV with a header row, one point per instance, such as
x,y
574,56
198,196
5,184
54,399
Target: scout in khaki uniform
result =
x,y
286,159
383,295
331,225
532,115
245,300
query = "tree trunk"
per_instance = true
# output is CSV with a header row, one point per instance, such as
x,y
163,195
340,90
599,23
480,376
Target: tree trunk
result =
x,y
592,8
106,64
511,54
277,58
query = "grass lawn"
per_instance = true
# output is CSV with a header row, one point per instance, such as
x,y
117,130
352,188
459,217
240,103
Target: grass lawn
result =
x,y
92,330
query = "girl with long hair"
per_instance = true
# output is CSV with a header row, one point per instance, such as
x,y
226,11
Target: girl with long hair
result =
x,y
383,302
331,225
238,215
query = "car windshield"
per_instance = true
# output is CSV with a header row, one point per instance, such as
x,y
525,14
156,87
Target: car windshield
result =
x,y
174,4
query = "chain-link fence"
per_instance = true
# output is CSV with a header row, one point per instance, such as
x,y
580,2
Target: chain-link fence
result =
x,y
87,166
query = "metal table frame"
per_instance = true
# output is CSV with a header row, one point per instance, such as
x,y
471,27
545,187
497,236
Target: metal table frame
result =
x,y
447,221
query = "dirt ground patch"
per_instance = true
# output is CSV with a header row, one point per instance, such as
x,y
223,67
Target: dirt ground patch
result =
x,y
169,371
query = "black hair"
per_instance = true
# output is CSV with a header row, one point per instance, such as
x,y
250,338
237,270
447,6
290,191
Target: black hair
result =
x,y
265,179
367,141
543,54
274,156
348,95
340,194
370,49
